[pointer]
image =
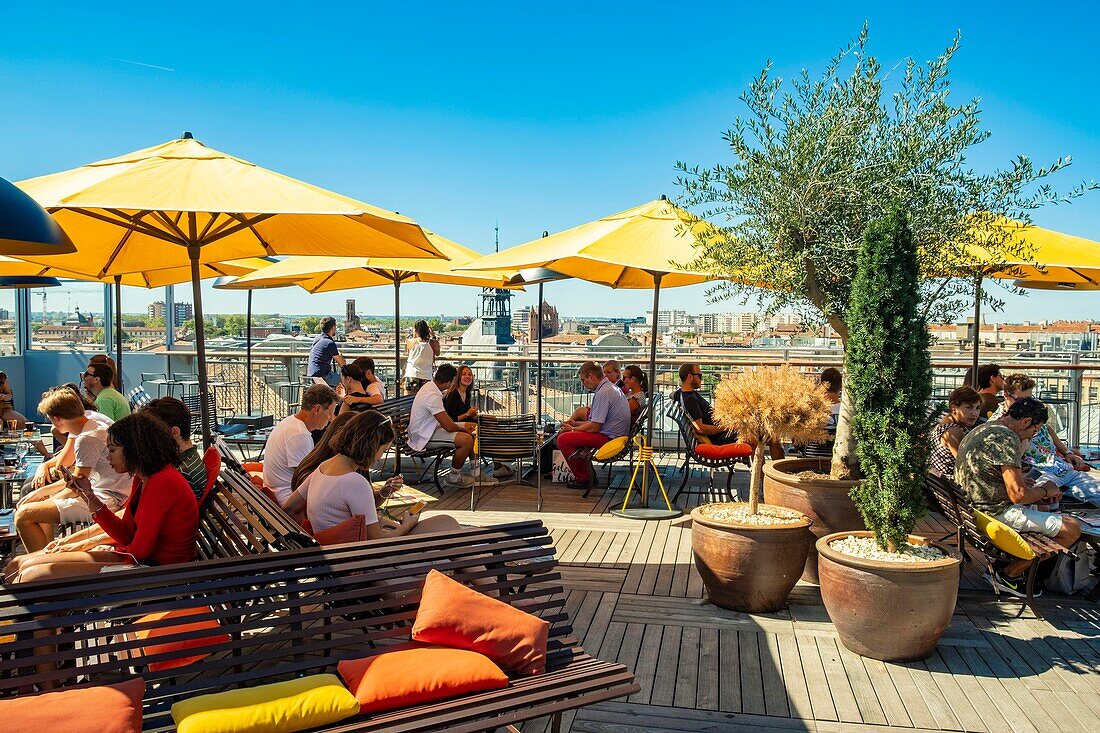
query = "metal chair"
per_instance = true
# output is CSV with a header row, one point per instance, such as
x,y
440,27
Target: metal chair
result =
x,y
138,398
589,454
216,428
512,438
161,380
691,450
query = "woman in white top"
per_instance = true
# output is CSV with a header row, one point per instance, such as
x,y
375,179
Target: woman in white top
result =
x,y
338,491
422,349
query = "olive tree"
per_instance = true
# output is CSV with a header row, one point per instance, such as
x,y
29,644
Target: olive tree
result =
x,y
816,159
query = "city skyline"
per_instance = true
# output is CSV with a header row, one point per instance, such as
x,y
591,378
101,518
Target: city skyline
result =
x,y
544,142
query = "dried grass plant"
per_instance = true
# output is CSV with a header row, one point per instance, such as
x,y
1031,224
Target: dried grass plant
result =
x,y
770,404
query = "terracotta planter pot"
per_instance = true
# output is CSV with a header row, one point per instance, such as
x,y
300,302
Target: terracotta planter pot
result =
x,y
749,568
895,612
824,501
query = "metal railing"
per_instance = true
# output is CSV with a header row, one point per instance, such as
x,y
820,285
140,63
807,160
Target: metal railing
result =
x,y
506,379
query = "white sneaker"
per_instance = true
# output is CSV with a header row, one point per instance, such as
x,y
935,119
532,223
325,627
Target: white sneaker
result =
x,y
459,480
503,471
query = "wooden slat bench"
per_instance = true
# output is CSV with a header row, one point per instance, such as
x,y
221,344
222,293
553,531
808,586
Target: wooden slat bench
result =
x,y
950,500
299,612
238,520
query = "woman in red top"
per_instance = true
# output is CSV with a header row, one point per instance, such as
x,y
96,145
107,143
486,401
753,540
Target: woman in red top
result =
x,y
160,522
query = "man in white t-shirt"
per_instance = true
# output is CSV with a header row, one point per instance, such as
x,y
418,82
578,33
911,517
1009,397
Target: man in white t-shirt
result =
x,y
291,440
42,509
430,426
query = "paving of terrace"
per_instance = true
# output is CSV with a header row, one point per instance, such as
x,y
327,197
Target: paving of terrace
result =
x,y
634,596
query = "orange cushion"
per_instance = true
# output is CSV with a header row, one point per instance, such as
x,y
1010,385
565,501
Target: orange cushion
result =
x,y
453,615
201,623
352,529
720,452
99,709
399,679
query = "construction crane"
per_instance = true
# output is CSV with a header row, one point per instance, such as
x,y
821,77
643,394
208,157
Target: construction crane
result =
x,y
43,294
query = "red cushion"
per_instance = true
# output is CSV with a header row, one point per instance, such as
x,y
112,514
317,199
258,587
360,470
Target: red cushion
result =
x,y
201,622
99,709
450,614
352,529
720,452
399,679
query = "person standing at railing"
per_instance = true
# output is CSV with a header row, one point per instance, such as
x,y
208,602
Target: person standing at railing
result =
x,y
608,418
422,348
323,352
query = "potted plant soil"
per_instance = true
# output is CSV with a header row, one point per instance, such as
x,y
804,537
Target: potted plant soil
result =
x,y
890,594
750,554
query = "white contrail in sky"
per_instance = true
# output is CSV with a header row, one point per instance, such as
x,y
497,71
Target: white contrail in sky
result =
x,y
141,63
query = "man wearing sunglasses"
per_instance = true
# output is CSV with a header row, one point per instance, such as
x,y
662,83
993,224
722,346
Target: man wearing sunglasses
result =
x,y
98,378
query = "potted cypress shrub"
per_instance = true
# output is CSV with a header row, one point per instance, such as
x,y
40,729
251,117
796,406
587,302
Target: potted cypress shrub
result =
x,y
890,594
750,554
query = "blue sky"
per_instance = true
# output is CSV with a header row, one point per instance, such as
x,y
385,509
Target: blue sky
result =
x,y
539,117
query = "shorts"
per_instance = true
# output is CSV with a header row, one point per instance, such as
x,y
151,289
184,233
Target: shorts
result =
x,y
73,510
1026,519
441,439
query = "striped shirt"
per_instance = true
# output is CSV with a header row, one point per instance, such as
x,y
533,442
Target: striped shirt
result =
x,y
194,470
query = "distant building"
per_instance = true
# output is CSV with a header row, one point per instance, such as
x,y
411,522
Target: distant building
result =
x,y
493,326
669,319
5,314
351,318
527,319
183,311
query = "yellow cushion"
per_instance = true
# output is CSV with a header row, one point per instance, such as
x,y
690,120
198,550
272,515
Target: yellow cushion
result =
x,y
1002,536
610,449
282,707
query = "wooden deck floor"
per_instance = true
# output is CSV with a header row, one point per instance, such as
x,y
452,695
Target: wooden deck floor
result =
x,y
634,596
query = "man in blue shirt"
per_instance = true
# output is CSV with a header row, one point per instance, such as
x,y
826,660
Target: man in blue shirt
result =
x,y
608,418
322,354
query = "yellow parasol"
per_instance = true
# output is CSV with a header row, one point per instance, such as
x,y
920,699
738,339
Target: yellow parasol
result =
x,y
1044,260
182,204
327,274
636,248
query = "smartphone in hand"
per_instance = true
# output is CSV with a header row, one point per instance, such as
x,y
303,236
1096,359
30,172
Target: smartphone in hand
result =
x,y
417,507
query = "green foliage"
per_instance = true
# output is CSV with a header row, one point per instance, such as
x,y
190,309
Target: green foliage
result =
x,y
310,324
889,377
818,159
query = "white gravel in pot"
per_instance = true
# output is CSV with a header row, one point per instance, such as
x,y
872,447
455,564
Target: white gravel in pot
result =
x,y
867,549
738,513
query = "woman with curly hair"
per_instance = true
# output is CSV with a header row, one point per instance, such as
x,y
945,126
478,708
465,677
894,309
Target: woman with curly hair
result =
x,y
158,525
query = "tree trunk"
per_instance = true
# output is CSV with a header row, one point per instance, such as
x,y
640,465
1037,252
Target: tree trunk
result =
x,y
845,463
756,486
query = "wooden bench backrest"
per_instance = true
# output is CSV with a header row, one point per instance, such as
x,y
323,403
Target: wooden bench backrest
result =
x,y
287,614
238,520
951,501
